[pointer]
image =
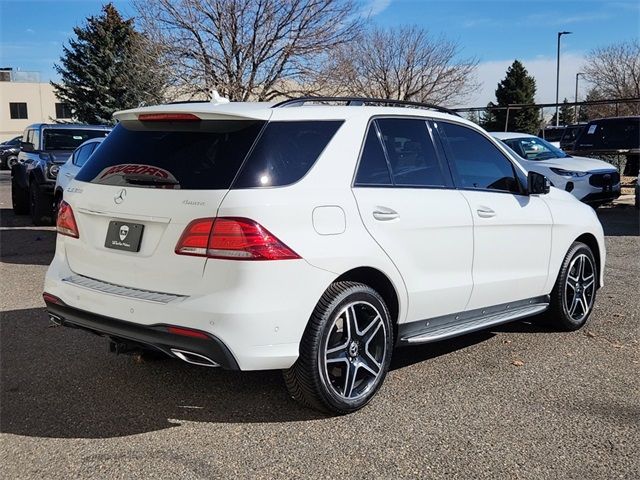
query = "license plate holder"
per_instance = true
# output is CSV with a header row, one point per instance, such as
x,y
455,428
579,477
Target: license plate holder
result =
x,y
125,236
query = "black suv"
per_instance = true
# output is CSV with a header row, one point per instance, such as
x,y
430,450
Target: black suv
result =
x,y
612,136
44,147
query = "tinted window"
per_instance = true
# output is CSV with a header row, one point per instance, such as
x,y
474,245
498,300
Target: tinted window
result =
x,y
69,138
203,155
82,154
411,154
285,152
476,162
372,169
610,134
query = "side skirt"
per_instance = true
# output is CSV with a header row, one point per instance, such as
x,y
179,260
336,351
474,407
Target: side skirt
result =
x,y
448,326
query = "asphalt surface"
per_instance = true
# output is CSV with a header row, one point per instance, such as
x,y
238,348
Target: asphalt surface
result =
x,y
460,408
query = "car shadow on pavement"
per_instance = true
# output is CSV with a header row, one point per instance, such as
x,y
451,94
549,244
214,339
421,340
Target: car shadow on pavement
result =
x,y
10,219
619,220
27,246
60,382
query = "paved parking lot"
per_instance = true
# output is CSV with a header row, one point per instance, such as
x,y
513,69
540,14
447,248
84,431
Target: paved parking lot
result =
x,y
458,408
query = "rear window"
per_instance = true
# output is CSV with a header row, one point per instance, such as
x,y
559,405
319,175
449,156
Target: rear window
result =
x,y
203,155
68,139
285,152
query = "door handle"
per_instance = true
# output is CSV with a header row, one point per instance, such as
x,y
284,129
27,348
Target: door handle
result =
x,y
384,214
485,212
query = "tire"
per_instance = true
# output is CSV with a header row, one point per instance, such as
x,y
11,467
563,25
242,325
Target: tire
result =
x,y
40,205
574,293
351,324
19,198
11,161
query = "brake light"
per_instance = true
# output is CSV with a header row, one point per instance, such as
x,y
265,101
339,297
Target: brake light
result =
x,y
66,223
232,238
168,117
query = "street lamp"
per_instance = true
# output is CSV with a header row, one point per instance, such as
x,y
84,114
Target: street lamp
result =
x,y
558,76
575,107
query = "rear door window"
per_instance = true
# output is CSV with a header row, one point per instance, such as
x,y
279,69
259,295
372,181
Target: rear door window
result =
x,y
372,169
285,152
82,154
204,155
412,156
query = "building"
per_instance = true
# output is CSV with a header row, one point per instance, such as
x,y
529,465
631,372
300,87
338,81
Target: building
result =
x,y
24,100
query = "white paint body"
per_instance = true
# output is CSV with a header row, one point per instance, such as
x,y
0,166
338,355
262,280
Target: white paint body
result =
x,y
440,254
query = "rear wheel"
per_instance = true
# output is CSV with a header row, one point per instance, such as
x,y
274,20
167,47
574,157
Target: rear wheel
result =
x,y
19,198
345,351
574,293
40,205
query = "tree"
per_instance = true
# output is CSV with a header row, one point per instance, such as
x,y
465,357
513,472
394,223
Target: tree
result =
x,y
518,87
614,71
402,63
108,67
566,114
247,49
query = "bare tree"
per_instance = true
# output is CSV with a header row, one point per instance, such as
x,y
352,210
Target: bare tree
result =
x,y
403,63
614,71
246,49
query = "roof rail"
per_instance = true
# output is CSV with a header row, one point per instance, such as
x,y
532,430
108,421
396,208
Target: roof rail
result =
x,y
296,102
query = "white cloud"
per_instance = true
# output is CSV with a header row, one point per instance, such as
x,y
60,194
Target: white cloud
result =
x,y
543,69
374,7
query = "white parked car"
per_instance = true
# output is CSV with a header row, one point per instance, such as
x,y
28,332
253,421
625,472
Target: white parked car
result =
x,y
313,238
592,181
72,166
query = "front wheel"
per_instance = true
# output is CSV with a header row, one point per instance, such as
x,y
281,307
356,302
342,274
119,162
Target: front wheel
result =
x,y
574,293
345,351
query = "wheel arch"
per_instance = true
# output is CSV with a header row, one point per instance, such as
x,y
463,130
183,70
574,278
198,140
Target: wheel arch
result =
x,y
592,242
380,282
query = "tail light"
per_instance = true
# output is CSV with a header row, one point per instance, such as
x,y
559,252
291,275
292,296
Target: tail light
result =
x,y
232,238
48,298
168,117
66,223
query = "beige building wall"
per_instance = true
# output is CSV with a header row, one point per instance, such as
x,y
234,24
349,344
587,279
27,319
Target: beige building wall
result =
x,y
41,106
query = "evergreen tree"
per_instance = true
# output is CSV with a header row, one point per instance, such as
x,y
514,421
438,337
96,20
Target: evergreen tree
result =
x,y
108,67
518,87
566,114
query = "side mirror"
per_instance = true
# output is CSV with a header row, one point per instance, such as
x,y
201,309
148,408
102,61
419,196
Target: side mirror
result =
x,y
537,184
26,146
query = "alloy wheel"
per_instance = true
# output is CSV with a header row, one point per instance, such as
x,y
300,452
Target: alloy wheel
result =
x,y
355,347
580,287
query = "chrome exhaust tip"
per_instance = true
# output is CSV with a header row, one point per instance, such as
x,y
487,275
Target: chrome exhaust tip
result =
x,y
194,358
55,320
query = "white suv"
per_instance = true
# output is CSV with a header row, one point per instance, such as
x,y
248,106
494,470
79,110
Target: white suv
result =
x,y
313,236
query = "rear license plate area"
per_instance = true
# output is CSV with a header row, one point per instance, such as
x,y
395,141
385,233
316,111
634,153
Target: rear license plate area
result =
x,y
124,236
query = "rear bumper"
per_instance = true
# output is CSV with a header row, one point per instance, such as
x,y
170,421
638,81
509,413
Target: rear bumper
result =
x,y
154,336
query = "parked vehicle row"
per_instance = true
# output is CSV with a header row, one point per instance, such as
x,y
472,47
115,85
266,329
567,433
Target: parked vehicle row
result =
x,y
44,149
592,181
313,238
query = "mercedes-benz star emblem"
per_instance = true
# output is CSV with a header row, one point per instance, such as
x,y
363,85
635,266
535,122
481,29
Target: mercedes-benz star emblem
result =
x,y
119,198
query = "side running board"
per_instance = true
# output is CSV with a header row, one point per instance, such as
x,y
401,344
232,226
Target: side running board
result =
x,y
448,326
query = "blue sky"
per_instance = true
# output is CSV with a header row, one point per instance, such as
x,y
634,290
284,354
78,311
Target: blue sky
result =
x,y
32,32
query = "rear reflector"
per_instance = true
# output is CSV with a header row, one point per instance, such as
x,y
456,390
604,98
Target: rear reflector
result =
x,y
187,332
232,238
168,117
66,222
48,298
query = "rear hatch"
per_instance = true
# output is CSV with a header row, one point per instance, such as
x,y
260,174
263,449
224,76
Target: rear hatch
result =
x,y
136,194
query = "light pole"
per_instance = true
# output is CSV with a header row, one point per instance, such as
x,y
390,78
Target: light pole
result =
x,y
558,76
575,107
